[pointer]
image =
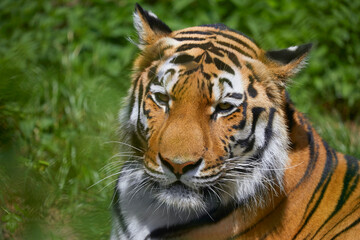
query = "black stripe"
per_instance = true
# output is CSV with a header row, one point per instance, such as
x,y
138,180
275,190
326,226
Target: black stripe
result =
x,y
321,186
257,157
346,229
199,58
152,72
155,81
140,126
242,123
223,66
269,127
219,26
350,182
269,93
220,33
212,217
207,76
250,67
211,176
251,90
132,96
234,48
174,87
196,32
211,48
212,167
191,71
351,172
181,87
205,46
233,58
289,112
208,58
257,223
238,41
268,135
256,111
235,95
183,58
242,34
189,39
118,212
147,112
210,88
351,212
313,150
150,169
171,71
250,145
225,80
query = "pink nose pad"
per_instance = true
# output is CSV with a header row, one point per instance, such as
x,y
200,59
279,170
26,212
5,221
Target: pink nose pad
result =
x,y
180,168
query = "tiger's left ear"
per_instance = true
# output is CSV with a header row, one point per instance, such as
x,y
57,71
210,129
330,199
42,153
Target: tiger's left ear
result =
x,y
149,27
287,62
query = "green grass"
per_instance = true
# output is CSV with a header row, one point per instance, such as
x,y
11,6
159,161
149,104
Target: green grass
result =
x,y
64,66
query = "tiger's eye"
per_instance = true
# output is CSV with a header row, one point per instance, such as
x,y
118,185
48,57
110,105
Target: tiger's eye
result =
x,y
162,98
224,106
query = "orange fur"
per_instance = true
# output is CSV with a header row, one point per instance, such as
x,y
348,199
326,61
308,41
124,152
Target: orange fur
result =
x,y
320,195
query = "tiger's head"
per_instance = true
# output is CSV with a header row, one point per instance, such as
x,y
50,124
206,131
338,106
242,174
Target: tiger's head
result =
x,y
206,107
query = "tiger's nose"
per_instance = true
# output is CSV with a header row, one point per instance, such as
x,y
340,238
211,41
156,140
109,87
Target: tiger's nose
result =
x,y
180,168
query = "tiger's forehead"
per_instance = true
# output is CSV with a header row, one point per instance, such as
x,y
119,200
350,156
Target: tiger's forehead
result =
x,y
207,58
197,72
217,38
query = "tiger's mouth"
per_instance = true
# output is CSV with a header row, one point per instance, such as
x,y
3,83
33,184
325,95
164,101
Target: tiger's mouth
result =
x,y
180,188
184,198
177,189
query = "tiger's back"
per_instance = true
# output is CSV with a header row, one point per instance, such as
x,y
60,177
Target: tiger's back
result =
x,y
220,150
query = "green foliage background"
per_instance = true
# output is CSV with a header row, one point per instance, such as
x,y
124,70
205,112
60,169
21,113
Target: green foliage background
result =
x,y
64,66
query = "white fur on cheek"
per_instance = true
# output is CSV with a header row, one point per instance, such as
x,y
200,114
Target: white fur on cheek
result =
x,y
270,168
145,208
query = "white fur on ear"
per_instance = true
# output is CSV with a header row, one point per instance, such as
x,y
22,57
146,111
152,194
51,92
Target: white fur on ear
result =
x,y
292,48
139,29
148,26
152,14
139,26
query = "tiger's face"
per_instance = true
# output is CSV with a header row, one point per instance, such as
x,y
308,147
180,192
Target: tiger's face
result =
x,y
206,107
199,117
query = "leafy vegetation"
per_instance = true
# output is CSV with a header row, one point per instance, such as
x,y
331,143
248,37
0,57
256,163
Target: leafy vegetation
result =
x,y
64,66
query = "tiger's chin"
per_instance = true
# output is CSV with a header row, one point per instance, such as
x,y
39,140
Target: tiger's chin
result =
x,y
179,197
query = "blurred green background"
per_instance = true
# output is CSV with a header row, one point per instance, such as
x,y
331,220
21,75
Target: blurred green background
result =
x,y
64,66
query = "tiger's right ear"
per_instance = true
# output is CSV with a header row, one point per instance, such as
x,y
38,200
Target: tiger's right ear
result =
x,y
149,27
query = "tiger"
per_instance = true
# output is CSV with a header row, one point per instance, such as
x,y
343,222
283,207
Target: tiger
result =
x,y
219,150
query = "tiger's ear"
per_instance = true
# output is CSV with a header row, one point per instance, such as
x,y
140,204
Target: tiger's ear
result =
x,y
149,27
287,62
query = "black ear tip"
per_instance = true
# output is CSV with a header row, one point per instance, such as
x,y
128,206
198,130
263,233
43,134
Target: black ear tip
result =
x,y
151,20
303,49
138,8
307,47
288,55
